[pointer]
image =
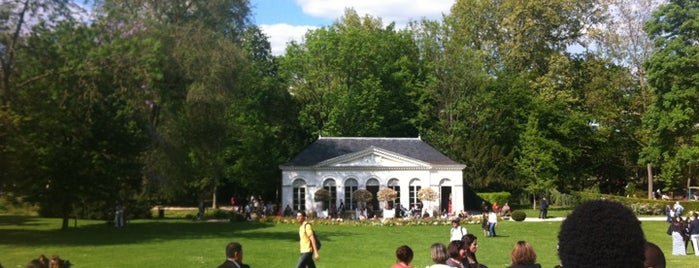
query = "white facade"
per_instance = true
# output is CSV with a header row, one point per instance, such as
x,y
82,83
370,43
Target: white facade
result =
x,y
372,169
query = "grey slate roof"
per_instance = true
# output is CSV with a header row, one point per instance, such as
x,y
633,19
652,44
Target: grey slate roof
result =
x,y
330,147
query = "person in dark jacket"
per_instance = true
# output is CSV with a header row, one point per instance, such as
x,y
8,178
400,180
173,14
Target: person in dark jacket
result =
x,y
543,213
234,256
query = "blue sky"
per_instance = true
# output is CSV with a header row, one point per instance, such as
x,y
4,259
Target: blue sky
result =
x,y
286,20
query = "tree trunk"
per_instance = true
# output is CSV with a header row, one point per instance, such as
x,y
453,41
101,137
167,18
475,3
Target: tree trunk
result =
x,y
213,203
650,180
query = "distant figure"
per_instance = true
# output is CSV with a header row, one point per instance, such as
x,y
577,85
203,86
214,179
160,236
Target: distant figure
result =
x,y
654,256
438,253
543,213
404,254
119,216
601,233
678,209
457,231
677,231
484,224
523,256
234,256
694,233
492,222
506,210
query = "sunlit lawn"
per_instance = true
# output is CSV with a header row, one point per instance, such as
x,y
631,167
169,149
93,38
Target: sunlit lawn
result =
x,y
184,243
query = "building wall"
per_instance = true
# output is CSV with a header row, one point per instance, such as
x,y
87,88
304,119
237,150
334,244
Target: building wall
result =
x,y
428,177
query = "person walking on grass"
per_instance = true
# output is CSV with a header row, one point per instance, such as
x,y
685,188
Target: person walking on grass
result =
x,y
307,241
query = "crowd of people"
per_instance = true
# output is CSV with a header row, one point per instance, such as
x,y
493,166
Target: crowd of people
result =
x,y
682,230
597,233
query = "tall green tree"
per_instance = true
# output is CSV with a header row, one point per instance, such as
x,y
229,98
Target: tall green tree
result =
x,y
621,39
201,61
263,121
672,117
83,127
355,78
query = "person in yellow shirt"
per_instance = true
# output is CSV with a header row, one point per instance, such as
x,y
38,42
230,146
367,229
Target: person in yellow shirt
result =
x,y
308,248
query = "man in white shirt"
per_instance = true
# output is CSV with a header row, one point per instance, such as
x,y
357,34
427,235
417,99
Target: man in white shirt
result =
x,y
457,231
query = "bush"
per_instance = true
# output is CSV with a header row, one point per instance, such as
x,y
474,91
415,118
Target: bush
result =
x,y
519,215
498,197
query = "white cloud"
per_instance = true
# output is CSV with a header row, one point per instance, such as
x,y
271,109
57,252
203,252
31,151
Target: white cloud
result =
x,y
281,34
399,11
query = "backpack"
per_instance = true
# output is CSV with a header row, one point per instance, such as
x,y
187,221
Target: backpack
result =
x,y
315,236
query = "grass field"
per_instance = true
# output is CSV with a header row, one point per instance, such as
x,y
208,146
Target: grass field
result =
x,y
185,243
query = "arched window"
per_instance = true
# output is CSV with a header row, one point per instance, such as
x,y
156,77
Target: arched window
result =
x,y
372,185
330,185
413,189
395,185
351,185
299,195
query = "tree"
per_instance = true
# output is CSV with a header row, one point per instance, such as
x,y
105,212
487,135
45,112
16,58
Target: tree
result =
x,y
201,60
17,17
672,76
84,120
354,78
621,39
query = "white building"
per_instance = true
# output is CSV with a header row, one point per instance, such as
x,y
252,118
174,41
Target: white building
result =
x,y
343,165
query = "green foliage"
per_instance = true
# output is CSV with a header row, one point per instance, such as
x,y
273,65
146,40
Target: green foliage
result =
x,y
321,195
499,197
519,215
354,78
672,118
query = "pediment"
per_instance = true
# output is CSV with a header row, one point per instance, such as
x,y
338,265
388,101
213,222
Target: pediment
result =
x,y
372,157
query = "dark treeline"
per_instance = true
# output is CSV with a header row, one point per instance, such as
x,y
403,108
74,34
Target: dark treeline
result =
x,y
149,102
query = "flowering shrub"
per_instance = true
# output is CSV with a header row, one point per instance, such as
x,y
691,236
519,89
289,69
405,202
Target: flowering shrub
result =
x,y
362,195
646,208
427,194
386,194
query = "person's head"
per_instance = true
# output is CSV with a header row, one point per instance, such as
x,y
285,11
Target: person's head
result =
x,y
523,253
438,252
300,216
455,222
234,250
404,254
470,243
454,249
601,233
654,256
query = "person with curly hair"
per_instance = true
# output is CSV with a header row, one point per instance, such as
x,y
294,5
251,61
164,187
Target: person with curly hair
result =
x,y
600,234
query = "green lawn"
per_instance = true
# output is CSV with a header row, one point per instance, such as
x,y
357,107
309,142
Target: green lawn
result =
x,y
183,243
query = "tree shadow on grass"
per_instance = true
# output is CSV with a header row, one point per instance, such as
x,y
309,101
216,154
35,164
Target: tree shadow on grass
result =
x,y
24,232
